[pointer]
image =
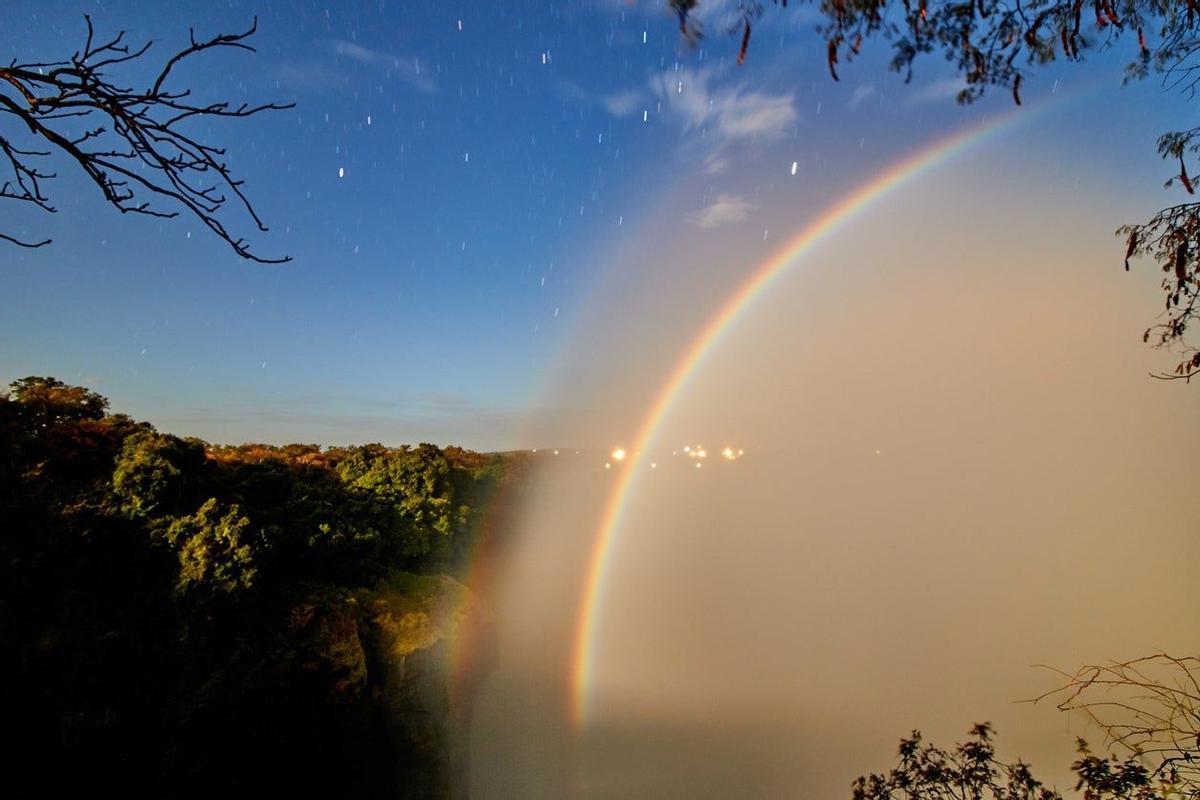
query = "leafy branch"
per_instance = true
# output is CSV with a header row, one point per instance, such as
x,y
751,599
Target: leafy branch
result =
x,y
998,44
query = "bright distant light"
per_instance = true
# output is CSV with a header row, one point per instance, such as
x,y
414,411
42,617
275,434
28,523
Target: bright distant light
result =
x,y
794,165
341,172
701,454
535,449
698,465
728,453
741,451
618,454
555,452
607,465
687,449
653,465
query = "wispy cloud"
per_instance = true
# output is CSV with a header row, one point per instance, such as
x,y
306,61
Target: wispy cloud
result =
x,y
713,116
570,90
861,93
406,68
727,209
622,104
310,77
937,92
731,113
715,164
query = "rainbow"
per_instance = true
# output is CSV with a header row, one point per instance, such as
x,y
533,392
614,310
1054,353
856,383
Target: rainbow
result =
x,y
789,254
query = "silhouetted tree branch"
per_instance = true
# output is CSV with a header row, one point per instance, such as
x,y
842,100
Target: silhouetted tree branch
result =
x,y
1149,707
132,144
971,771
998,43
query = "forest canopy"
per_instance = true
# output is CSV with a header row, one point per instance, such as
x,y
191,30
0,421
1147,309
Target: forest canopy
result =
x,y
169,605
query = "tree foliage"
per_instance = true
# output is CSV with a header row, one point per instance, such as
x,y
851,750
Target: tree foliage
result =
x,y
413,487
216,555
1147,708
165,603
969,770
138,146
998,44
41,402
152,472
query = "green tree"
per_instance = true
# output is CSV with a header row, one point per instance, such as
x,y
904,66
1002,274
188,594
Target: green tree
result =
x,y
42,402
151,634
154,471
416,489
216,556
56,440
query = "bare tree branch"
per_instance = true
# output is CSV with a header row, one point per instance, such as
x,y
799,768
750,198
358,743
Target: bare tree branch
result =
x,y
1149,707
21,243
129,143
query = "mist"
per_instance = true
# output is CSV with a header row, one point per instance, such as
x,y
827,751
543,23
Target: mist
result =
x,y
600,399
955,468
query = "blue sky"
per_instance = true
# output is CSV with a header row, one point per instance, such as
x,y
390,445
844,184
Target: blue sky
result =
x,y
454,185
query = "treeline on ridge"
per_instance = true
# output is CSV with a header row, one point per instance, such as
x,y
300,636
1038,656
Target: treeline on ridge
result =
x,y
181,618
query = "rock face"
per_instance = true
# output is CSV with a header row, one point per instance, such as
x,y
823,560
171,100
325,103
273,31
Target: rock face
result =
x,y
397,666
422,725
421,634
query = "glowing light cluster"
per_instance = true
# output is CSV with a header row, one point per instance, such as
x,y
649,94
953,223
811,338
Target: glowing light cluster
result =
x,y
620,457
696,453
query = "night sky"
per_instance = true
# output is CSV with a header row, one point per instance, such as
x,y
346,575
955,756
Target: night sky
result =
x,y
464,189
